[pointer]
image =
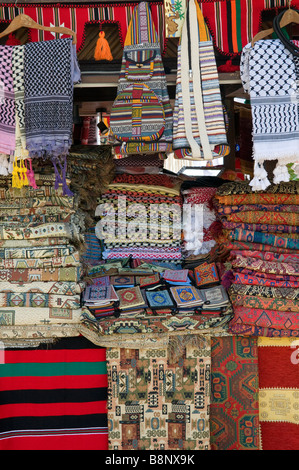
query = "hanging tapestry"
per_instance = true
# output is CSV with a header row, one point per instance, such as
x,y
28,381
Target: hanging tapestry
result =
x,y
50,71
7,102
278,393
232,23
234,394
54,397
290,229
156,402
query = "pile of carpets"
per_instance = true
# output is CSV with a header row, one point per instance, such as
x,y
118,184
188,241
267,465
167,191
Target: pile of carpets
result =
x,y
141,218
41,269
261,231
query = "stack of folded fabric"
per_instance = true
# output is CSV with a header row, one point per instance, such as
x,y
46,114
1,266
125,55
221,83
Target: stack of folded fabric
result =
x,y
261,231
144,217
40,262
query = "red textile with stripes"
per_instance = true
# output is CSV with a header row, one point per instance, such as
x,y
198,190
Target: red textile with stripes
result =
x,y
54,397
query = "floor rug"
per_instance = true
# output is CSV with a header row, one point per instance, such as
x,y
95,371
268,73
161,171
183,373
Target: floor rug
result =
x,y
54,397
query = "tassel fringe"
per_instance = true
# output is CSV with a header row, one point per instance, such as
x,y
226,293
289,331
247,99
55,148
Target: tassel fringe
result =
x,y
102,50
281,174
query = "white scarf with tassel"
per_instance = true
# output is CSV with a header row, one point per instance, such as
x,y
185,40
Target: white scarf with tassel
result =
x,y
268,74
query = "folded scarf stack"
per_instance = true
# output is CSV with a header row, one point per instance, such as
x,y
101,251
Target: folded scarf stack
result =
x,y
40,265
143,213
36,109
261,232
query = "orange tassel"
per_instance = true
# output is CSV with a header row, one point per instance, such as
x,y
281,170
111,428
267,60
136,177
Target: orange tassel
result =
x,y
102,50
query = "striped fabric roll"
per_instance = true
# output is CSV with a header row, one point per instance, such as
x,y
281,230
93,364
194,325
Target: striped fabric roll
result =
x,y
55,398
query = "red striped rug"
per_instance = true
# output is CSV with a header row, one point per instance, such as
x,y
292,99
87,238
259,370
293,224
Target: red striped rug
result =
x,y
54,397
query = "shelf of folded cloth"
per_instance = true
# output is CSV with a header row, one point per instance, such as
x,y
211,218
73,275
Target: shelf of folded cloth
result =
x,y
262,236
40,261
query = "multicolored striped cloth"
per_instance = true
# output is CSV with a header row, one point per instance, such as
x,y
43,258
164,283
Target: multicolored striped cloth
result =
x,y
198,122
54,397
141,115
232,23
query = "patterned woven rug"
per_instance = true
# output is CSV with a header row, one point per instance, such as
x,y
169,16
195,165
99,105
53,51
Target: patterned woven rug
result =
x,y
234,394
156,404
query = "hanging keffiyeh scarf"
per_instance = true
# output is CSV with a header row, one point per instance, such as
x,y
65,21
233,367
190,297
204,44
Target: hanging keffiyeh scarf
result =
x,y
7,102
18,82
268,74
50,71
198,121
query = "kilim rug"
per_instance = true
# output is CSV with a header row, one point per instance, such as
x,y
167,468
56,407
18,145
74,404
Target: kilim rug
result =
x,y
54,398
234,394
155,403
278,393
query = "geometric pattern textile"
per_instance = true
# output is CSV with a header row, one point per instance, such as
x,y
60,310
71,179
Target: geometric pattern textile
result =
x,y
157,404
234,414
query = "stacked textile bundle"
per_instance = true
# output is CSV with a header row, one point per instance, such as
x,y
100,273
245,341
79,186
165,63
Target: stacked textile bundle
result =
x,y
261,230
149,164
40,262
166,405
143,218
